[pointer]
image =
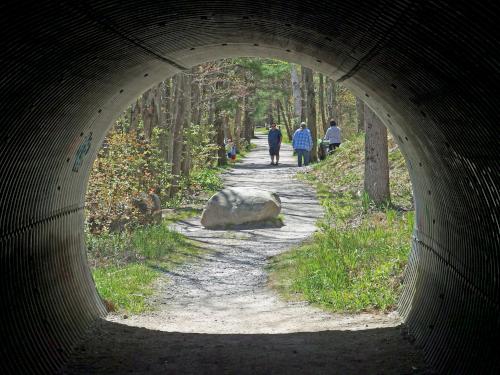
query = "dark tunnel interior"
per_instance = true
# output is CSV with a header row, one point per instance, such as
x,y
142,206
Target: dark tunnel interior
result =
x,y
430,69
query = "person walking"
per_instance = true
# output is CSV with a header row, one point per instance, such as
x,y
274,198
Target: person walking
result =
x,y
302,144
333,136
274,139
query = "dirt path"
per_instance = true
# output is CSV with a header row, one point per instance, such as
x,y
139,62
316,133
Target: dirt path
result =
x,y
224,296
227,292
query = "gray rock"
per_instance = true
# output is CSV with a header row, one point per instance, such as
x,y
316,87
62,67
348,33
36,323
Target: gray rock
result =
x,y
240,205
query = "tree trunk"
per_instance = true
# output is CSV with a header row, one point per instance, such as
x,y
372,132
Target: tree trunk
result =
x,y
376,159
311,110
211,110
219,128
221,150
289,115
158,91
297,97
179,118
286,120
270,117
303,94
226,127
278,112
174,82
247,125
322,103
331,100
340,109
237,124
164,96
186,124
196,98
167,101
360,111
135,110
148,114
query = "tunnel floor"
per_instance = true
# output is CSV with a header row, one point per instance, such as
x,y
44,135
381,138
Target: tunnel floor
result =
x,y
219,316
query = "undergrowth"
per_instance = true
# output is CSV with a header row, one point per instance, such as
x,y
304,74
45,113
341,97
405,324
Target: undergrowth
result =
x,y
126,264
355,262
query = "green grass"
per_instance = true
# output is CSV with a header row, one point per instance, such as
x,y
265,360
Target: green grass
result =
x,y
127,288
348,270
355,262
126,264
180,213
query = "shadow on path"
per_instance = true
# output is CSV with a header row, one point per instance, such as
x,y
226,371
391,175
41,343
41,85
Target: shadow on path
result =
x,y
119,349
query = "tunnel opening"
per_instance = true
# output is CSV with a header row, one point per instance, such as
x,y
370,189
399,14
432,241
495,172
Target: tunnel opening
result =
x,y
119,239
68,77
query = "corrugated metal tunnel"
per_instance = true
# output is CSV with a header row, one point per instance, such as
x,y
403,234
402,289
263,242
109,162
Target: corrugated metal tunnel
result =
x,y
429,69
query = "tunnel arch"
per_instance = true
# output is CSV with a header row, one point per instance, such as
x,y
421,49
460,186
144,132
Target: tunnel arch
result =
x,y
69,69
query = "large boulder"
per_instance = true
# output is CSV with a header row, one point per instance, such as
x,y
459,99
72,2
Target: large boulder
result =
x,y
240,205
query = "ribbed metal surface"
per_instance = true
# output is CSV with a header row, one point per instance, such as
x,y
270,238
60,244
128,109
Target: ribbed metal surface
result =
x,y
430,69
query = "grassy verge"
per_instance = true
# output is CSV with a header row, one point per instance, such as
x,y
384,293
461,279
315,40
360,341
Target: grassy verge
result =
x,y
355,262
125,288
125,265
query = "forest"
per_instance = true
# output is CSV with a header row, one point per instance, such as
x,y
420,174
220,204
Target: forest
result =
x,y
176,131
164,155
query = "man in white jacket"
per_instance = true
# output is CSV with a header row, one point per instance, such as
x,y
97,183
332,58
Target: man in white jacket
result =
x,y
333,136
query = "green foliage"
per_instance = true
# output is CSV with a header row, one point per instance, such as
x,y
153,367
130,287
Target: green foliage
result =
x,y
152,242
202,149
356,261
346,111
156,242
126,288
126,264
208,180
356,269
125,166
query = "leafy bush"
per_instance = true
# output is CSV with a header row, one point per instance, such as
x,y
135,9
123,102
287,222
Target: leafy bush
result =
x,y
125,167
203,149
128,166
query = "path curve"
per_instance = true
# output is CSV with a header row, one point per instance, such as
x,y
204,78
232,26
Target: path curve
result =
x,y
226,292
217,316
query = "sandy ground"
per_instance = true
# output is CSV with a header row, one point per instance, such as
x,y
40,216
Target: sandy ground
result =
x,y
218,316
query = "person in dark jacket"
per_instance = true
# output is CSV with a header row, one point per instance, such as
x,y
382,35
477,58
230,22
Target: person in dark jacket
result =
x,y
274,140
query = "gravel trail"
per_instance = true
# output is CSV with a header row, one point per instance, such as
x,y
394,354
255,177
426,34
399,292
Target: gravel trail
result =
x,y
218,316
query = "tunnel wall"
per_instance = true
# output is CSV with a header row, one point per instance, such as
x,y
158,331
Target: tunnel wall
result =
x,y
429,69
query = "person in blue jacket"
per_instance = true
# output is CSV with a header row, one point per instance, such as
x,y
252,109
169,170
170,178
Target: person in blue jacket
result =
x,y
274,140
302,144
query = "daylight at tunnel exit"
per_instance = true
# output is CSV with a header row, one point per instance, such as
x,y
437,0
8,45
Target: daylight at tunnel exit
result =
x,y
253,187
